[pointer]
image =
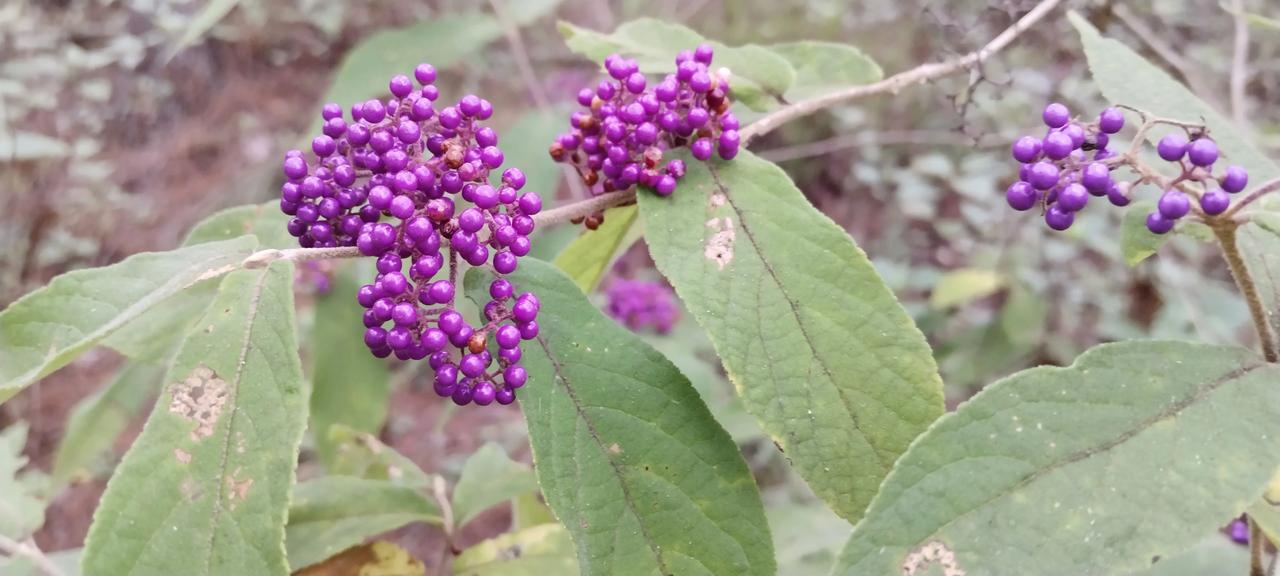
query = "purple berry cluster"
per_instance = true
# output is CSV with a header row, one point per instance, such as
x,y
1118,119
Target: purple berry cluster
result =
x,y
388,182
1064,168
1195,159
1072,162
639,304
619,138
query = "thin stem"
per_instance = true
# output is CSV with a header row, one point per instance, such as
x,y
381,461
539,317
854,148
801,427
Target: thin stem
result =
x,y
1253,196
1225,230
584,208
1239,65
30,551
897,82
521,54
581,208
438,490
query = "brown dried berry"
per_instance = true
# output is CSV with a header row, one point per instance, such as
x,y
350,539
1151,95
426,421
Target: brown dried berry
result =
x,y
476,343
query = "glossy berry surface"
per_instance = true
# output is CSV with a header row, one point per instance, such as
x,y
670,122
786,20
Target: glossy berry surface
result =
x,y
627,125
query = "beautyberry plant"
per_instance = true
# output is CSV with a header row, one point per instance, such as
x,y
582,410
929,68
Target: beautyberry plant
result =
x,y
419,190
1072,162
626,126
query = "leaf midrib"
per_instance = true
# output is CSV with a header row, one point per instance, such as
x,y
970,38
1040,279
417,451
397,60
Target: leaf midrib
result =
x,y
627,498
885,462
254,301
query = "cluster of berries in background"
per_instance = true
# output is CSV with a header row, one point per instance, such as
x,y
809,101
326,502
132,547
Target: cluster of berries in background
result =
x,y
642,305
418,188
1071,162
626,125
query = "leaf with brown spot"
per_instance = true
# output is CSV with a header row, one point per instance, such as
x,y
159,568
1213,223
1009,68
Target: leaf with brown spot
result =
x,y
820,350
240,384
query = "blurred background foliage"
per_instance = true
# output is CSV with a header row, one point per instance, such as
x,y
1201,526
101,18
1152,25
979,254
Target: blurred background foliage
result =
x,y
123,122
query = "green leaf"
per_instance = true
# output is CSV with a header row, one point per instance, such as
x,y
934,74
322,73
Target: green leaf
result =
x,y
538,551
49,327
826,67
626,453
330,514
21,509
153,336
217,455
489,478
1127,78
963,286
818,347
1110,462
361,454
1137,243
1213,555
98,420
350,389
590,256
265,221
442,41
528,510
377,558
760,76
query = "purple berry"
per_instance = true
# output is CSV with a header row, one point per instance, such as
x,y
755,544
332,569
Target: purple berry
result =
x,y
1111,121
1026,148
1043,175
1215,201
1172,147
1056,115
1096,177
1058,218
1202,152
1073,198
1021,196
1234,179
1158,224
1173,204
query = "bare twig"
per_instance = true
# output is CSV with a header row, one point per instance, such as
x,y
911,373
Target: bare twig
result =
x,y
30,551
1154,42
897,82
886,138
1239,65
521,54
586,207
438,490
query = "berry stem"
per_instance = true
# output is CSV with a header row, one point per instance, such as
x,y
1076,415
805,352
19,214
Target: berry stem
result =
x,y
897,82
1225,230
262,258
1253,195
